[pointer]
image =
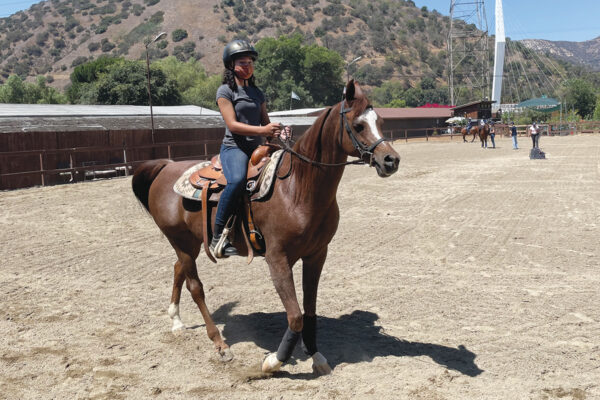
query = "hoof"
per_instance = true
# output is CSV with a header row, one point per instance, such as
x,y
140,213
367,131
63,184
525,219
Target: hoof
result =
x,y
271,364
177,326
226,355
320,366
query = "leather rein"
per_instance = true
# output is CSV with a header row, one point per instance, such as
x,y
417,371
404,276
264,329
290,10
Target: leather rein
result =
x,y
361,148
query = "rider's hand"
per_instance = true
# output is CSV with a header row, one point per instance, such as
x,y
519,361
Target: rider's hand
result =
x,y
272,129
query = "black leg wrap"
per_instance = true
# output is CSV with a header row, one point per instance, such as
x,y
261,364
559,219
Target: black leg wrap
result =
x,y
286,347
309,335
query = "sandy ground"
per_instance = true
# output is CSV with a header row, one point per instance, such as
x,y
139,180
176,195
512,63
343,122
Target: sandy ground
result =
x,y
470,274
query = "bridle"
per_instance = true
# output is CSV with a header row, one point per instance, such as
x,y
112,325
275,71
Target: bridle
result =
x,y
360,147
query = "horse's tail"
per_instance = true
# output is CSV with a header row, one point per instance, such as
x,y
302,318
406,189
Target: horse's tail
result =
x,y
144,176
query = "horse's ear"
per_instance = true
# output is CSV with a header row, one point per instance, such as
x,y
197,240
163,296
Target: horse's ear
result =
x,y
350,90
357,90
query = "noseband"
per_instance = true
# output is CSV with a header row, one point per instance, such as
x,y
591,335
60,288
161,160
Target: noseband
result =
x,y
361,148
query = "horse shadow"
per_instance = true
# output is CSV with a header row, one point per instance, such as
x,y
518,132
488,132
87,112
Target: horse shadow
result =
x,y
350,339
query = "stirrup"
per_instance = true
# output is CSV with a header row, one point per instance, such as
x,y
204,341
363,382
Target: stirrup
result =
x,y
220,248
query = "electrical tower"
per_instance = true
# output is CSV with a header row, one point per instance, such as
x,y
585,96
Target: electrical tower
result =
x,y
468,54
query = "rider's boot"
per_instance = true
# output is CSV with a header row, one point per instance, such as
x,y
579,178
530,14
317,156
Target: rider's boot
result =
x,y
220,245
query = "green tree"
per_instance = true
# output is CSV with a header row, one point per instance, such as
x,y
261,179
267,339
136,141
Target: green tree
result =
x,y
312,72
388,92
13,91
126,83
580,94
16,91
596,116
118,81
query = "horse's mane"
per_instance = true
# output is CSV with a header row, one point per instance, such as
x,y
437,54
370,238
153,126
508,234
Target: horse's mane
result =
x,y
310,144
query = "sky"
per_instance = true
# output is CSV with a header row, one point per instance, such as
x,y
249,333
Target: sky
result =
x,y
575,21
557,20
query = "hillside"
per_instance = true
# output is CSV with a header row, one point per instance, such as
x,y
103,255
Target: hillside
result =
x,y
54,36
397,41
585,53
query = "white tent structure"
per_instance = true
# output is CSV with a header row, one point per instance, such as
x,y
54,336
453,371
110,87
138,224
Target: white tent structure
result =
x,y
498,56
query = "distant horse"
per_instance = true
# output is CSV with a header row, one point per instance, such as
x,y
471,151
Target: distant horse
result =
x,y
482,130
298,221
465,132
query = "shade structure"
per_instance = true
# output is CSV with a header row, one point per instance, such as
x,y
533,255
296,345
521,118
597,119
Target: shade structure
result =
x,y
455,120
543,104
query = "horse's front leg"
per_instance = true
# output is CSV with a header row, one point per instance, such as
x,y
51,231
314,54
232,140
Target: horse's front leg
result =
x,y
311,273
283,279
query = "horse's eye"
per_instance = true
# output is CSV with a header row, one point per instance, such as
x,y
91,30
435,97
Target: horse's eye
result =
x,y
358,128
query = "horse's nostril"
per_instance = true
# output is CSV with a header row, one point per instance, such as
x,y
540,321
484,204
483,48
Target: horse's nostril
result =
x,y
391,161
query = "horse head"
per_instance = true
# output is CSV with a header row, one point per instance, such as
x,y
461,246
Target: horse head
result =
x,y
364,136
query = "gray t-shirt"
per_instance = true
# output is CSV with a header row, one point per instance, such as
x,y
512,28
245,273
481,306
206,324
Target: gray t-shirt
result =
x,y
247,102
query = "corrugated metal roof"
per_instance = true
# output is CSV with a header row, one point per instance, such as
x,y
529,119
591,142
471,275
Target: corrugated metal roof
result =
x,y
414,113
297,113
37,110
70,118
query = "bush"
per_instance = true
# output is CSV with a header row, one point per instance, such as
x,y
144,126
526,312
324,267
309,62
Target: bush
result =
x,y
137,10
151,2
59,44
107,45
178,35
78,61
93,46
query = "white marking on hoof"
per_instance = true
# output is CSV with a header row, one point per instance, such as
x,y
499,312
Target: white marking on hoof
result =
x,y
271,363
226,355
177,325
174,314
320,365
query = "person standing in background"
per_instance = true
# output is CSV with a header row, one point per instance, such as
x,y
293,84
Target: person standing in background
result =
x,y
513,134
533,132
493,134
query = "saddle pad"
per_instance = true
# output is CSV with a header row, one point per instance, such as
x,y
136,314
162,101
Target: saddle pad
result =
x,y
267,177
262,186
184,188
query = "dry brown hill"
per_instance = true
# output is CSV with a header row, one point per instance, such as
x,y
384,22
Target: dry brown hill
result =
x,y
53,36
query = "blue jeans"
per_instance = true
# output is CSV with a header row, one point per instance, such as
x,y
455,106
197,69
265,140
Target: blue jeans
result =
x,y
514,139
492,136
235,168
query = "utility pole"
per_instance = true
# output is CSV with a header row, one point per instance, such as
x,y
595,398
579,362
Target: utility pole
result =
x,y
160,35
468,55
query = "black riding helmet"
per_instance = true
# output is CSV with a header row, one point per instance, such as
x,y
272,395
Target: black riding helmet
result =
x,y
237,48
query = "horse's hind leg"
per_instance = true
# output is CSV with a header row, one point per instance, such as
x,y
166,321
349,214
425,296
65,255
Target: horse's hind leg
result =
x,y
194,285
178,279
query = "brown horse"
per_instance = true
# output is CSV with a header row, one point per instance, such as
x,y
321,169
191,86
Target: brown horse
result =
x,y
465,132
297,222
484,132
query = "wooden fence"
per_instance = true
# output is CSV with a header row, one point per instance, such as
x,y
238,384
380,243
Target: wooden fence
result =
x,y
48,158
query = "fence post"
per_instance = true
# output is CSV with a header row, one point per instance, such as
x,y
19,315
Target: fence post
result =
x,y
427,135
169,151
406,136
125,158
42,169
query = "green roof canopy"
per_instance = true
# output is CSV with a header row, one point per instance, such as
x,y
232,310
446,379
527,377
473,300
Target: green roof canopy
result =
x,y
544,104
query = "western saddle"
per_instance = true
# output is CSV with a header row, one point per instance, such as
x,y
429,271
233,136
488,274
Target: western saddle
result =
x,y
211,181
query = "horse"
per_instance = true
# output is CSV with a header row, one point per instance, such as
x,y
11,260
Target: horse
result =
x,y
465,132
297,221
484,132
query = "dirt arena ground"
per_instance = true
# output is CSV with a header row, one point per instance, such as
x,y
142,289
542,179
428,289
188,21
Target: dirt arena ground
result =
x,y
470,274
